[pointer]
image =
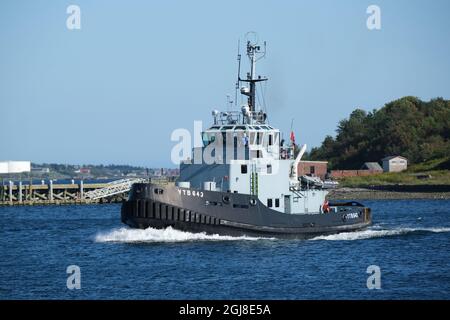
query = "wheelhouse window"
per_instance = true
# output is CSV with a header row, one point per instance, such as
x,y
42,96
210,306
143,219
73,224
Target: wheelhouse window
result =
x,y
269,203
243,168
277,203
208,138
269,169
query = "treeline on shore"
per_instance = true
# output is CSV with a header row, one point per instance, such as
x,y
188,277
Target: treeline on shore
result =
x,y
415,129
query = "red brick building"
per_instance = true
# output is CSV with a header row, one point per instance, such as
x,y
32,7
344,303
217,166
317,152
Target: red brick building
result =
x,y
313,168
368,169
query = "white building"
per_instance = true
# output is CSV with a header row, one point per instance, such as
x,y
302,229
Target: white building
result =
x,y
394,164
7,167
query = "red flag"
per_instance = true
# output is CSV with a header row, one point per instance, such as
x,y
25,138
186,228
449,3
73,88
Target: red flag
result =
x,y
292,137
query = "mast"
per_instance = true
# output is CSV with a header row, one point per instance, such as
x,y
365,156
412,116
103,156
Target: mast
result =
x,y
251,52
239,72
254,53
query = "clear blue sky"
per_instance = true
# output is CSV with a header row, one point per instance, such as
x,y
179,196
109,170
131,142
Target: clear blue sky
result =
x,y
113,91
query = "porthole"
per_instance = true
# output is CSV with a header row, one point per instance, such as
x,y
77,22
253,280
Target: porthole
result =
x,y
253,202
226,199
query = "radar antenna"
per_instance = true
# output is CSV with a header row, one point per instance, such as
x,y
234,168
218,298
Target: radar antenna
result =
x,y
254,53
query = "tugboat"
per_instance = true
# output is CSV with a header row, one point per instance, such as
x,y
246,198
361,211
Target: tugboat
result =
x,y
243,181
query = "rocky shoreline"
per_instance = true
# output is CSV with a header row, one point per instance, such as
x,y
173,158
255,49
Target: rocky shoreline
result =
x,y
369,194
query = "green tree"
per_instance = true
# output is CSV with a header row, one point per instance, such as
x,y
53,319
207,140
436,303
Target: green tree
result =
x,y
408,126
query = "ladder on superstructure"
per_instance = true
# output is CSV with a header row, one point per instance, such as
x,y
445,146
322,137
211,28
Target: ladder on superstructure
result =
x,y
297,192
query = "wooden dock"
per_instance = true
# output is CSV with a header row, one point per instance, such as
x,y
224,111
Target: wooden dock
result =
x,y
47,194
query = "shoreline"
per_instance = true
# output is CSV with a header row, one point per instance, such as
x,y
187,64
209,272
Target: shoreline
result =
x,y
370,194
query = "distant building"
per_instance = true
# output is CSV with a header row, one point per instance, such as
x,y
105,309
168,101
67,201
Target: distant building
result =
x,y
172,172
40,170
7,167
394,164
372,166
367,169
313,168
83,171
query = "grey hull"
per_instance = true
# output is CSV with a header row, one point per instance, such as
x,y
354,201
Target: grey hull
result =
x,y
234,214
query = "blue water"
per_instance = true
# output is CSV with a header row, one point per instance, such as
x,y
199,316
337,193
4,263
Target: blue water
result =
x,y
410,242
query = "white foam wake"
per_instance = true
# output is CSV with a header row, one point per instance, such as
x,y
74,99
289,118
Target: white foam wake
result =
x,y
375,233
169,234
151,235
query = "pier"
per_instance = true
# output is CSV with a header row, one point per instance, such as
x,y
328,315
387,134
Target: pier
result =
x,y
20,193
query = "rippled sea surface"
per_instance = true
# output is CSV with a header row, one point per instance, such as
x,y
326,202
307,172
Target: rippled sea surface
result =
x,y
409,241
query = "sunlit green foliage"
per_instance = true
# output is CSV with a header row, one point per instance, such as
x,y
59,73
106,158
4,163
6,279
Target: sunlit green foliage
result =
x,y
415,129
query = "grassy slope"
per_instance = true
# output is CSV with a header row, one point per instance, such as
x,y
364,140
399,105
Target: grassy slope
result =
x,y
438,170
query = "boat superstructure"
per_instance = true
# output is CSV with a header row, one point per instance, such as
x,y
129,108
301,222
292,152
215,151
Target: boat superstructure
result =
x,y
243,179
